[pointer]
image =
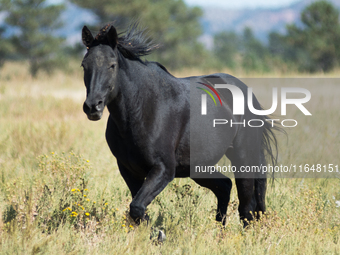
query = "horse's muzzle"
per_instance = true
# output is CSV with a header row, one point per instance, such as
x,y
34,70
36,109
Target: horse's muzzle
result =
x,y
94,111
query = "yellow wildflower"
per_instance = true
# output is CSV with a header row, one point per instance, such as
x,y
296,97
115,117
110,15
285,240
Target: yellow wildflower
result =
x,y
87,214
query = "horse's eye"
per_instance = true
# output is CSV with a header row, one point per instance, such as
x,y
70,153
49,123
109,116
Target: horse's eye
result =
x,y
112,66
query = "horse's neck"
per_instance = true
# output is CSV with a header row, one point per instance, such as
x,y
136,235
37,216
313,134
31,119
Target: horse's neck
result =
x,y
127,107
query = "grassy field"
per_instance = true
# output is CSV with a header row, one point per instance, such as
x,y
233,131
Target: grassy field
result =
x,y
61,191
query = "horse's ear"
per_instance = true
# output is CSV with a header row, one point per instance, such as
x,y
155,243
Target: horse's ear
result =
x,y
87,37
112,36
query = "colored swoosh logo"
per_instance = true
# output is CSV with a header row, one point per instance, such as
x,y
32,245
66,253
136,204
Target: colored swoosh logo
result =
x,y
209,93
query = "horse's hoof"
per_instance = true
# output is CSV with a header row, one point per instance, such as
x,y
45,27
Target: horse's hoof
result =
x,y
161,236
138,221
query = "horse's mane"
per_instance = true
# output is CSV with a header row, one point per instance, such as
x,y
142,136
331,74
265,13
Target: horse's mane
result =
x,y
133,43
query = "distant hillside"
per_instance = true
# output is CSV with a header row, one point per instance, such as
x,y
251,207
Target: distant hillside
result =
x,y
261,21
214,20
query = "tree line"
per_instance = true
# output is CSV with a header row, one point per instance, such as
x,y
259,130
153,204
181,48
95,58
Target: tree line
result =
x,y
311,46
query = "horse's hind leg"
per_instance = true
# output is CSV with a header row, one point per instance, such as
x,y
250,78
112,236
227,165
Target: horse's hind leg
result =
x,y
251,190
221,187
245,191
260,196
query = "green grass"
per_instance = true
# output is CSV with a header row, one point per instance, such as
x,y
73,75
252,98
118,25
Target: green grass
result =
x,y
61,191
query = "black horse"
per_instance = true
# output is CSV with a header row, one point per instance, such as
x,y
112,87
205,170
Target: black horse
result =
x,y
148,130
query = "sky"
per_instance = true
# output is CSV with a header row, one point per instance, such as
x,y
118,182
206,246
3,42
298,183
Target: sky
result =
x,y
241,4
232,4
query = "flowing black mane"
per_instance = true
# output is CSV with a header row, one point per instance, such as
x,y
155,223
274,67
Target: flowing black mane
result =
x,y
133,43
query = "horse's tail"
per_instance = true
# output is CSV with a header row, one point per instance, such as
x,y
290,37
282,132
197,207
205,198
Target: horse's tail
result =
x,y
269,147
269,140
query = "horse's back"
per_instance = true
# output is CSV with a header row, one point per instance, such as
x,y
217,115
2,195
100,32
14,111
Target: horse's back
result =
x,y
207,143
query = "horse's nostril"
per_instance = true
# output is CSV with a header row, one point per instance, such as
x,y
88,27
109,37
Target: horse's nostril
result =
x,y
93,107
98,106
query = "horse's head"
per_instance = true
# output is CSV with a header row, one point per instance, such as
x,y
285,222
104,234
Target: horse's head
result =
x,y
100,70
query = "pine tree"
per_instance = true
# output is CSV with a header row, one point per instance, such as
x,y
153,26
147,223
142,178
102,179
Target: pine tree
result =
x,y
170,22
35,22
254,53
317,43
6,47
226,47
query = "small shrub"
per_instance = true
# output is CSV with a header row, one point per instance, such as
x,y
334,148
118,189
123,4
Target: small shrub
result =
x,y
58,194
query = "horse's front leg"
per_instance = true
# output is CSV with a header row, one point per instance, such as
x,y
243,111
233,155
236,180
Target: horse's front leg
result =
x,y
156,180
134,183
